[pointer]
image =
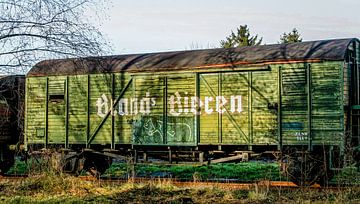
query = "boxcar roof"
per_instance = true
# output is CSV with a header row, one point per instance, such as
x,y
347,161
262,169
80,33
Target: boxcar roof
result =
x,y
197,59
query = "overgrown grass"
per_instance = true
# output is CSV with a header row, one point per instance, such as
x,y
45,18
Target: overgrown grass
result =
x,y
241,171
51,187
59,188
349,175
20,167
247,171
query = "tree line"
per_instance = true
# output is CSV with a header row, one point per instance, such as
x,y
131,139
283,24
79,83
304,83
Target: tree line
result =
x,y
242,37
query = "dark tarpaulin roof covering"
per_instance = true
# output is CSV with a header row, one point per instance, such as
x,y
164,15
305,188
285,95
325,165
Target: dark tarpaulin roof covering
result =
x,y
196,59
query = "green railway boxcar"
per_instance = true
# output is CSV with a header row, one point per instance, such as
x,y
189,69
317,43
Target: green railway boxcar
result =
x,y
11,118
285,98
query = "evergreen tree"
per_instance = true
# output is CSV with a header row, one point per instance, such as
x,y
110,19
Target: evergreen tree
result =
x,y
241,38
291,37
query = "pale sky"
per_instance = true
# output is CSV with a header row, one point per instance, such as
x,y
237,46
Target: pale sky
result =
x,y
140,26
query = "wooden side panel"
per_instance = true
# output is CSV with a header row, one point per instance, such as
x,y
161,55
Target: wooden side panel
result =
x,y
209,121
56,110
180,119
319,103
238,97
149,128
327,102
347,82
100,96
123,120
35,109
100,103
235,87
264,106
346,91
294,104
78,93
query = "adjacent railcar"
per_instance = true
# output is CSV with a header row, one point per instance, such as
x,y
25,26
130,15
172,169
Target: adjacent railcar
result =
x,y
11,118
283,98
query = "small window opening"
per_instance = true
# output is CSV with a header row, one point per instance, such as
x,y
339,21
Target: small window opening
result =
x,y
56,98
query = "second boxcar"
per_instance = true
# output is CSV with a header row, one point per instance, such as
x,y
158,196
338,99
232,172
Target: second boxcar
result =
x,y
11,118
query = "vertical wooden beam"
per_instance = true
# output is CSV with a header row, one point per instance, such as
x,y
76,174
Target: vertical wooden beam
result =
x,y
357,79
133,94
112,111
46,112
219,113
197,116
67,112
165,110
309,104
88,112
250,108
349,123
279,113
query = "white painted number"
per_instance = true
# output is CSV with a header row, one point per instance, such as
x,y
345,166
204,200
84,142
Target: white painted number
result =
x,y
301,136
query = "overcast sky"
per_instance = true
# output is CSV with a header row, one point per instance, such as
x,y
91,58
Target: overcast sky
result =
x,y
140,26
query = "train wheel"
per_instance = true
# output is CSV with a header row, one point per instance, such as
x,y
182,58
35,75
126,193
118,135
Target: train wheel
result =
x,y
72,164
96,164
305,169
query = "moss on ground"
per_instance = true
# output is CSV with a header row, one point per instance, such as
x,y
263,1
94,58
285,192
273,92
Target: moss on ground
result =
x,y
249,171
241,171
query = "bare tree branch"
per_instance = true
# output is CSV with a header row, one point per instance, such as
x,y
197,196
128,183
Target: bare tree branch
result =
x,y
33,30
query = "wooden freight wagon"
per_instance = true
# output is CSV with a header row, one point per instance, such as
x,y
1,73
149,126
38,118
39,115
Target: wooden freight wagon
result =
x,y
11,118
238,102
